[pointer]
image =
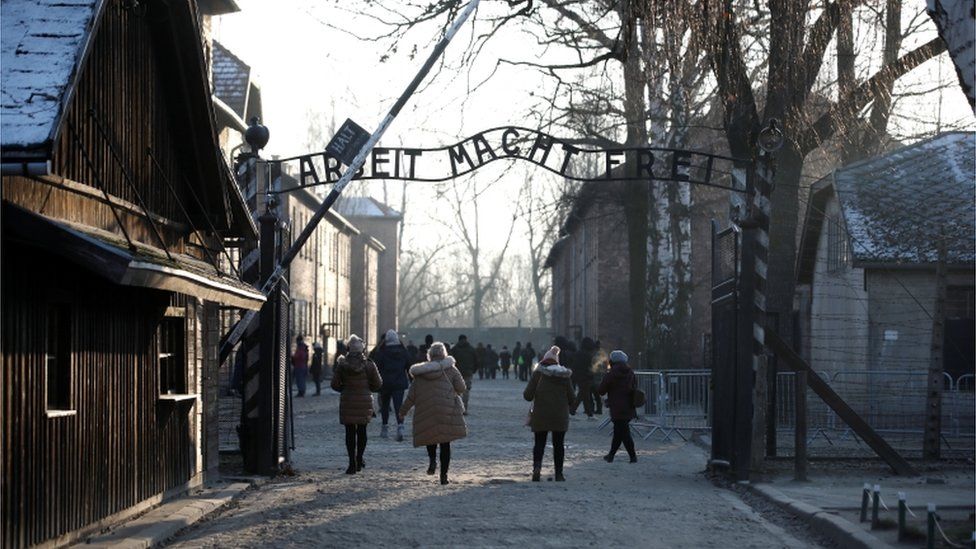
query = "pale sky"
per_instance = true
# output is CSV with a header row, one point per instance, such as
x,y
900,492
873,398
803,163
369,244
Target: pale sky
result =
x,y
308,69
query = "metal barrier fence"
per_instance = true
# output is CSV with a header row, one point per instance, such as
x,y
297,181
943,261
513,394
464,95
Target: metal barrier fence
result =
x,y
891,401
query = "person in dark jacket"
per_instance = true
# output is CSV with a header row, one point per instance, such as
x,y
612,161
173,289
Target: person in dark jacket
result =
x,y
316,368
491,363
393,360
619,384
505,360
299,363
517,359
357,378
422,350
583,376
413,351
528,358
467,364
551,394
480,353
600,366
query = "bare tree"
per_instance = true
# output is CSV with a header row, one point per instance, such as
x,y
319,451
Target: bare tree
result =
x,y
481,267
428,286
542,208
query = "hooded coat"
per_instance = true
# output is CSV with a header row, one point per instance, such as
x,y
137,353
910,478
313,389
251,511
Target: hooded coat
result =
x,y
393,361
551,394
435,391
618,384
583,363
357,378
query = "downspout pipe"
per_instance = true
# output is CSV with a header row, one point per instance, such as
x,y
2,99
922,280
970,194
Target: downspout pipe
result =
x,y
26,168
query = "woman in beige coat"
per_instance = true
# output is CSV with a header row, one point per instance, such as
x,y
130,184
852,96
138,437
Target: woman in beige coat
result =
x,y
439,419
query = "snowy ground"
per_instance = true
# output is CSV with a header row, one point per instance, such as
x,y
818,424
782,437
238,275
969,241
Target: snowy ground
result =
x,y
661,501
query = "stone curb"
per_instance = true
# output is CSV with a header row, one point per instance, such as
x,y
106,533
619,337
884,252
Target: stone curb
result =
x,y
841,531
165,521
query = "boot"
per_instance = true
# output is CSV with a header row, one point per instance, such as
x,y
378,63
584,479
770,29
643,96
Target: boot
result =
x,y
444,478
383,431
432,467
608,458
351,470
360,463
536,473
560,477
399,435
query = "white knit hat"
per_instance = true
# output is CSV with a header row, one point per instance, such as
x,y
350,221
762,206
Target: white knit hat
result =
x,y
355,344
618,356
552,353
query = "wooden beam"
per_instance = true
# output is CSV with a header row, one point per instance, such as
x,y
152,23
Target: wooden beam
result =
x,y
860,427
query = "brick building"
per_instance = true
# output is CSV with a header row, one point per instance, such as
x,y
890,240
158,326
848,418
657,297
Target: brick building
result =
x,y
381,222
589,271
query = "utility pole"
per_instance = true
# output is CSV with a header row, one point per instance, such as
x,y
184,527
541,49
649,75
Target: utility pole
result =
x,y
933,396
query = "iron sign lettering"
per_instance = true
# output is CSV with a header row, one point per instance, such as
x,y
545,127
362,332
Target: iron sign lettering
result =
x,y
510,143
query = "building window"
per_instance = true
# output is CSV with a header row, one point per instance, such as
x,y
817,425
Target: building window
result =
x,y
57,355
838,250
171,342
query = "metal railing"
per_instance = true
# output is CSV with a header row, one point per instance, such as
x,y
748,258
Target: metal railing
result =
x,y
891,401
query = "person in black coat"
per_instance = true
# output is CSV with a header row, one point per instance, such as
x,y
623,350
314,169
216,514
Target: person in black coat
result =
x,y
528,357
582,367
491,363
619,384
316,368
505,358
392,360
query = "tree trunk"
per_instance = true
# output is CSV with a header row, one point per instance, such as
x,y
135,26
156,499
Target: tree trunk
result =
x,y
635,192
782,236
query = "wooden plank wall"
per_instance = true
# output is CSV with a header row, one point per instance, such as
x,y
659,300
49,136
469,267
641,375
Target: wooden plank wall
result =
x,y
123,445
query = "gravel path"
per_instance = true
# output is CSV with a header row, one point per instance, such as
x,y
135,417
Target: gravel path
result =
x,y
661,501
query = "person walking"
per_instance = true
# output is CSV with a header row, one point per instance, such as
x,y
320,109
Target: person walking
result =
x,y
392,360
517,360
600,366
467,363
619,384
583,376
316,368
480,354
551,394
491,363
357,378
422,350
505,359
525,365
439,416
299,364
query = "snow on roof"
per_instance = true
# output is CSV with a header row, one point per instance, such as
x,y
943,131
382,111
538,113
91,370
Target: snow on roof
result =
x,y
895,205
231,78
42,41
365,206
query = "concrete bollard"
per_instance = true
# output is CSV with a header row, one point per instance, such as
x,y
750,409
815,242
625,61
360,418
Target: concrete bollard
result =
x,y
875,502
930,534
865,495
902,511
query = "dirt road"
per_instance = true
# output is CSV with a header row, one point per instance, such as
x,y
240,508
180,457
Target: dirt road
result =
x,y
661,501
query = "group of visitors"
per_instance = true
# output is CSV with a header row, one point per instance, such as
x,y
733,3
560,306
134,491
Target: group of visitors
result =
x,y
301,367
438,391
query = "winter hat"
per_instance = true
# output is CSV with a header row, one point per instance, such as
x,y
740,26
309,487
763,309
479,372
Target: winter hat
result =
x,y
436,351
618,356
552,354
391,338
355,344
317,345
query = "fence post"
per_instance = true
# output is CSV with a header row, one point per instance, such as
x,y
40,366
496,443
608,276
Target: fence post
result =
x,y
930,533
800,422
875,503
933,401
902,507
865,500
